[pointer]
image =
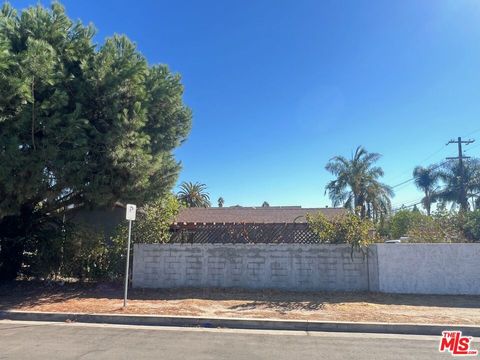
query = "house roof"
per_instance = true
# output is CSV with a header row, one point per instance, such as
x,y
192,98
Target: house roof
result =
x,y
272,214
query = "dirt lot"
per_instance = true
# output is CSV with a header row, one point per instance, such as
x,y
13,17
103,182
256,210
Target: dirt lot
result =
x,y
107,298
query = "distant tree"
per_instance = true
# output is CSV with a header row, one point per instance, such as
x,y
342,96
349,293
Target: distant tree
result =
x,y
426,179
401,222
220,201
265,204
357,184
194,195
81,125
461,188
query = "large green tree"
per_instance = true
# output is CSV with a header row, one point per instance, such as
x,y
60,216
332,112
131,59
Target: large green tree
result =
x,y
357,184
80,124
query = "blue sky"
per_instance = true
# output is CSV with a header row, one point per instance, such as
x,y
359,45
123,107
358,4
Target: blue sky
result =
x,y
279,87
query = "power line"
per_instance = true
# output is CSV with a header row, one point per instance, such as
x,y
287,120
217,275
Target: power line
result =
x,y
421,162
472,132
402,183
435,153
412,178
471,148
407,204
405,207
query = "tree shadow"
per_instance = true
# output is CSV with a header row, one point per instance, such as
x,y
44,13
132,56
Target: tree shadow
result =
x,y
282,307
26,294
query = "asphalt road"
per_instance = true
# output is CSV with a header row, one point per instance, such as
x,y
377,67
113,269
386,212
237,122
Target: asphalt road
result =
x,y
35,340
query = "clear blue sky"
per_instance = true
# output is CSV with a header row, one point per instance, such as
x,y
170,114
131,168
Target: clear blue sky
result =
x,y
279,87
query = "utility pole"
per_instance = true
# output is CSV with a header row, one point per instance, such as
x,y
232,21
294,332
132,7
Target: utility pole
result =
x,y
463,191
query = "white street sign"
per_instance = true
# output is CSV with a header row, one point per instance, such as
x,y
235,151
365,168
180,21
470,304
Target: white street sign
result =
x,y
131,212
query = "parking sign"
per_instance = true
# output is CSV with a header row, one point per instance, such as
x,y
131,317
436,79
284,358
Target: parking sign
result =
x,y
131,212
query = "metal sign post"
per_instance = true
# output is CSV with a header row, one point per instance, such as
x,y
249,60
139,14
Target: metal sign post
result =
x,y
130,216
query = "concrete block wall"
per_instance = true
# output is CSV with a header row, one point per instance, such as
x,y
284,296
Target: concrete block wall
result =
x,y
391,268
274,266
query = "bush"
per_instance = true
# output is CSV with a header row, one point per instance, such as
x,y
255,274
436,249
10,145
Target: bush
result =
x,y
442,226
85,255
152,226
56,248
402,221
471,225
345,229
69,251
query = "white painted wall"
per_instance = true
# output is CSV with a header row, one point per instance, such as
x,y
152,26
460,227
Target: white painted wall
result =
x,y
429,268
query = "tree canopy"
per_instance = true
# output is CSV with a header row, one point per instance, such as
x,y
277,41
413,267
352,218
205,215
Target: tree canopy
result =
x,y
461,184
426,179
80,124
357,184
194,194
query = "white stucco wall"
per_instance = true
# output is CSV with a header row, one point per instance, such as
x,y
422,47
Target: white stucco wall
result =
x,y
429,268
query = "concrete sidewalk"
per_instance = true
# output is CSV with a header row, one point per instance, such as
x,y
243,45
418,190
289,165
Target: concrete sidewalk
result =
x,y
236,323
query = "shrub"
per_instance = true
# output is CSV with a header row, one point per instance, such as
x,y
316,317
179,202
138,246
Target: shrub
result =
x,y
471,225
85,254
70,251
152,226
442,226
345,229
402,221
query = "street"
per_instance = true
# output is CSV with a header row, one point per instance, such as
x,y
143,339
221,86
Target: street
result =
x,y
36,340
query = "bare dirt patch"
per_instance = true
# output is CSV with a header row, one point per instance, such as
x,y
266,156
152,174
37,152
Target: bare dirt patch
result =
x,y
332,306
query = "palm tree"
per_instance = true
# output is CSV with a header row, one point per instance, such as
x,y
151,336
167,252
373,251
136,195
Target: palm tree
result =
x,y
220,201
426,179
378,201
462,185
194,194
357,184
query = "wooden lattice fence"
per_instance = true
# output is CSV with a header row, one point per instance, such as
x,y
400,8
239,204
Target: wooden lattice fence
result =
x,y
245,234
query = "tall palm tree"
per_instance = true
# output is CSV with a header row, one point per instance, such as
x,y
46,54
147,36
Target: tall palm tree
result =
x,y
357,184
378,201
426,179
220,201
461,185
194,194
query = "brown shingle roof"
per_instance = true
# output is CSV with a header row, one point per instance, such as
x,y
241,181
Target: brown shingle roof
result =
x,y
253,215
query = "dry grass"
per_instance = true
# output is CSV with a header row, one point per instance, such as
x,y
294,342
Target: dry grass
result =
x,y
338,306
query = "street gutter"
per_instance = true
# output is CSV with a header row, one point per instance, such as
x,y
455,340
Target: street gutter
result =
x,y
241,323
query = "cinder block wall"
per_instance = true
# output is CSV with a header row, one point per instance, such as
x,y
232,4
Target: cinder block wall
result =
x,y
391,268
264,266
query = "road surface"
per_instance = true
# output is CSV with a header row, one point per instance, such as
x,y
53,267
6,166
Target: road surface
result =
x,y
37,340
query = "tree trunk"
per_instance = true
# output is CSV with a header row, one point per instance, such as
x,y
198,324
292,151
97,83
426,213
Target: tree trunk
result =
x,y
428,203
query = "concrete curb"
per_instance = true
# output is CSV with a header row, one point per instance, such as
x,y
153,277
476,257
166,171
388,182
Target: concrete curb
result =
x,y
237,323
